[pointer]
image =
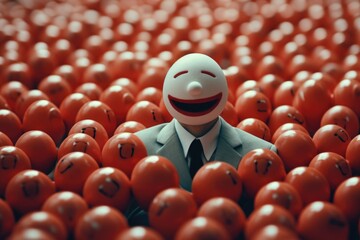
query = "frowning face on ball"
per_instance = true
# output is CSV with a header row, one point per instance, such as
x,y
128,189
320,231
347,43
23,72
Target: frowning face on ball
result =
x,y
195,89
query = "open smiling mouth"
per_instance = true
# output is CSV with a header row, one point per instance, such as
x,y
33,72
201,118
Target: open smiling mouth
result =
x,y
197,107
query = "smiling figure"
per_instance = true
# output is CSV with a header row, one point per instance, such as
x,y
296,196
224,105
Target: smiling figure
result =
x,y
195,93
195,89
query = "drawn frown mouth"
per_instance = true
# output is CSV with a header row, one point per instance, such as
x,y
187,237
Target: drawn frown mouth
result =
x,y
196,107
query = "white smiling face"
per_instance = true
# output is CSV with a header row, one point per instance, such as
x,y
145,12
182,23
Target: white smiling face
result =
x,y
195,89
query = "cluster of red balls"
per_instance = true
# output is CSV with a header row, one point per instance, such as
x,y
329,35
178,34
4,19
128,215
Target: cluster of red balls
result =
x,y
79,78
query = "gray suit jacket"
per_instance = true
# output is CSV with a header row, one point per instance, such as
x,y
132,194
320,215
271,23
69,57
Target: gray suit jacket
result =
x,y
232,145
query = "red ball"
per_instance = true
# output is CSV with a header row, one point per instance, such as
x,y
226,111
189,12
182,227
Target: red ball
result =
x,y
269,83
5,140
69,73
67,206
72,170
99,74
7,220
28,190
80,142
202,228
170,209
306,101
139,233
285,114
26,99
229,114
282,194
344,117
100,112
295,148
89,89
274,232
146,113
216,179
259,167
285,127
70,106
130,127
3,103
284,94
347,197
331,138
91,128
123,151
100,223
226,212
150,94
255,127
322,220
40,148
32,234
127,66
310,183
107,186
12,91
152,77
150,176
128,84
253,104
45,221
56,88
45,116
119,99
346,93
353,155
335,168
10,124
268,215
18,71
13,160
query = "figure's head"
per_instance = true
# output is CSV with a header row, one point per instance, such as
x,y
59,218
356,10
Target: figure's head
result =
x,y
195,89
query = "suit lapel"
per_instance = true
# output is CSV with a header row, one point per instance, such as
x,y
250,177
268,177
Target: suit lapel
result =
x,y
172,150
229,140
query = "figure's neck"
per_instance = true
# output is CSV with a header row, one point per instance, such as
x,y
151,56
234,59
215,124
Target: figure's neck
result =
x,y
199,130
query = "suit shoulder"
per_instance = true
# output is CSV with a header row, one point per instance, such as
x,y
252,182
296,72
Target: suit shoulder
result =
x,y
151,132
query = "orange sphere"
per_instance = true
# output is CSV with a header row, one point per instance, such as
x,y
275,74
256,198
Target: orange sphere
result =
x,y
67,206
45,116
99,223
322,220
226,212
310,183
202,228
150,176
13,161
170,209
28,190
72,170
80,142
259,167
282,194
91,128
107,186
266,215
45,221
40,148
123,151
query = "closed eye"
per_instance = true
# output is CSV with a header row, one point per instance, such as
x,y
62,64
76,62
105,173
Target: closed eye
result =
x,y
180,73
208,73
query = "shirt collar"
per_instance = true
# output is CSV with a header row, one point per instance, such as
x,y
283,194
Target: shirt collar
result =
x,y
208,141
